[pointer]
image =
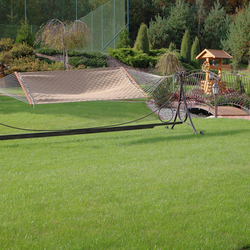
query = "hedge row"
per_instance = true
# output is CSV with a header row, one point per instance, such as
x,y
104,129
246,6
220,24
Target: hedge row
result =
x,y
135,58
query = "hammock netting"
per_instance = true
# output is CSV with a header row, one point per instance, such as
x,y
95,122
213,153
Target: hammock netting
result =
x,y
79,85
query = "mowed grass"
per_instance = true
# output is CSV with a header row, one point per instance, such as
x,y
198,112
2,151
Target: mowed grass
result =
x,y
145,189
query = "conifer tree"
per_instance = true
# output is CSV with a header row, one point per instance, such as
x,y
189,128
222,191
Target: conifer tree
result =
x,y
142,42
24,35
215,27
195,50
124,41
238,36
172,47
186,47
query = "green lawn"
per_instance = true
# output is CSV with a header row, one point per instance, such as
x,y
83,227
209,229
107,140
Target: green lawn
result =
x,y
144,189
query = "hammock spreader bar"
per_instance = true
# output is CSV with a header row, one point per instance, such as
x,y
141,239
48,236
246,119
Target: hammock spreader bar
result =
x,y
85,131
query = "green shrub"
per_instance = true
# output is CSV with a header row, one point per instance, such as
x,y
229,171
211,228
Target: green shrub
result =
x,y
139,61
48,51
75,53
122,54
94,55
195,51
163,94
124,41
22,49
142,42
135,58
158,32
76,61
196,64
90,59
157,52
95,63
6,44
32,64
186,47
45,59
6,57
172,47
24,35
188,67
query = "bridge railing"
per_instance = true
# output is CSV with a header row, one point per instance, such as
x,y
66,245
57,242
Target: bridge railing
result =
x,y
234,89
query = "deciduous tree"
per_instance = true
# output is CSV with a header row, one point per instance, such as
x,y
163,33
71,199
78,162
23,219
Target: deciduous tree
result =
x,y
64,35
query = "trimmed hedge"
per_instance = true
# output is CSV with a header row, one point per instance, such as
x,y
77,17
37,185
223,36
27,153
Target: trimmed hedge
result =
x,y
135,58
48,51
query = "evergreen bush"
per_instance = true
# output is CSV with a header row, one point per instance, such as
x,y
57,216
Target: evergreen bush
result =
x,y
171,47
76,61
186,47
6,57
195,50
124,41
95,63
24,35
158,33
94,55
22,49
157,52
141,60
142,42
135,58
95,60
48,51
6,44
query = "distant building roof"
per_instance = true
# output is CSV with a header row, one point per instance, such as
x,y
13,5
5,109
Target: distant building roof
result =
x,y
213,54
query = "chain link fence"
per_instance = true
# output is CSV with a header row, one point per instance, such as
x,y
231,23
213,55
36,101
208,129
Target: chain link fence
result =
x,y
105,22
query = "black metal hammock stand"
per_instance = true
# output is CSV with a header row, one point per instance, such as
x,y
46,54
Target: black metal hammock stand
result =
x,y
119,127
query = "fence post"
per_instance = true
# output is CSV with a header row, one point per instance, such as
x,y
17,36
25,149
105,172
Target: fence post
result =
x,y
25,13
76,9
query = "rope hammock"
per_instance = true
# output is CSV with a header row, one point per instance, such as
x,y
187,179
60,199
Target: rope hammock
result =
x,y
79,85
86,85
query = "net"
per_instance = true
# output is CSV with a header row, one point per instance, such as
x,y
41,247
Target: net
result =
x,y
10,86
148,82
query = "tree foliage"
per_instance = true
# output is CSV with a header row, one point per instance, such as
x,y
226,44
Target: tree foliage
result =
x,y
186,47
63,36
238,36
195,50
124,41
142,41
168,64
179,20
24,35
158,33
216,26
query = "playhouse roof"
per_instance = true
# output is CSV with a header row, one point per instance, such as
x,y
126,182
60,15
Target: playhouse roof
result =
x,y
213,54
